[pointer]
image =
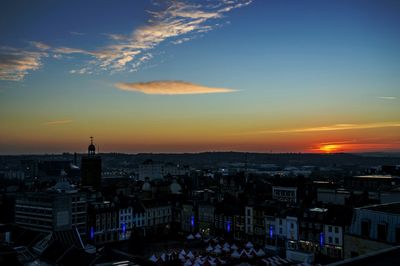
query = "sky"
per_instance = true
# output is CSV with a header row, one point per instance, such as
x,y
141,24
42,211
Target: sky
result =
x,y
192,76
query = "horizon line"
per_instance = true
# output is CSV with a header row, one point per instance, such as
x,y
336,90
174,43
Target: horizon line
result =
x,y
202,152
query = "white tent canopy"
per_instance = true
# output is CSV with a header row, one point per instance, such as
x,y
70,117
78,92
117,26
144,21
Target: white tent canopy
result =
x,y
163,256
198,235
234,246
190,237
235,254
260,253
249,245
183,252
209,248
153,258
217,250
190,255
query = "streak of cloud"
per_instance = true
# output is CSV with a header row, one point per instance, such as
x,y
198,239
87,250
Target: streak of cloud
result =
x,y
169,88
336,127
58,122
76,33
340,127
387,97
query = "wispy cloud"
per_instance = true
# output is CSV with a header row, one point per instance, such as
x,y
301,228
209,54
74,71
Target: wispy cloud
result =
x,y
336,127
40,45
176,20
169,88
16,63
387,97
76,33
340,127
57,122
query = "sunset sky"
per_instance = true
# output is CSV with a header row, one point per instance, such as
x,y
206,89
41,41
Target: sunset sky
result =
x,y
189,76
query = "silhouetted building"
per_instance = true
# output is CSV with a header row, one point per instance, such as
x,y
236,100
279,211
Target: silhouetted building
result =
x,y
60,208
91,168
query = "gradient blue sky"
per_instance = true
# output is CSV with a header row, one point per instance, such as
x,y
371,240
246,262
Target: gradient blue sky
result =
x,y
255,75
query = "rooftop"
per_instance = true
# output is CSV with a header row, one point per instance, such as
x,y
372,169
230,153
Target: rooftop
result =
x,y
374,176
393,208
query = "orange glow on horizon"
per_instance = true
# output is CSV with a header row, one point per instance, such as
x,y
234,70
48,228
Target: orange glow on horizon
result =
x,y
329,148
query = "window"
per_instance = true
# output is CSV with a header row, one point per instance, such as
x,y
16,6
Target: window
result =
x,y
330,240
365,227
280,221
337,240
330,229
291,225
336,229
354,254
382,231
398,235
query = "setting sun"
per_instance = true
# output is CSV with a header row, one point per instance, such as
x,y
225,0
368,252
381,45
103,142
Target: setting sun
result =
x,y
329,148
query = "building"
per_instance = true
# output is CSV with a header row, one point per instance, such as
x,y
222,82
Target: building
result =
x,y
102,222
131,215
157,170
373,228
334,234
312,236
286,194
239,225
151,170
224,219
91,167
188,218
60,208
292,232
158,215
249,224
206,218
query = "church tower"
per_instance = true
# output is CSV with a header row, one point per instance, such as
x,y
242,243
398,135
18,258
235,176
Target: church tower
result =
x,y
91,168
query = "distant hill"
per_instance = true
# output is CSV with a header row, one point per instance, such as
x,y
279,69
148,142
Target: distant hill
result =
x,y
212,159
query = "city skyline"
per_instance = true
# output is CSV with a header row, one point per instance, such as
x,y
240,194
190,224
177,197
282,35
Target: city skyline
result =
x,y
191,76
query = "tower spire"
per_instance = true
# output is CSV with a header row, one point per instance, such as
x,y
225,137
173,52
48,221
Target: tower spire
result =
x,y
91,148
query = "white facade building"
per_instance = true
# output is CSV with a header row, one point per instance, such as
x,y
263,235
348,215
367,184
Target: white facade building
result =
x,y
292,232
333,240
286,194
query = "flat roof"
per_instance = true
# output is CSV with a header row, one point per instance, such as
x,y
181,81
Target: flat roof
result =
x,y
374,176
393,208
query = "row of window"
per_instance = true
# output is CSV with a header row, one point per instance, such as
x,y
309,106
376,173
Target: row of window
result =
x,y
336,229
381,229
330,240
